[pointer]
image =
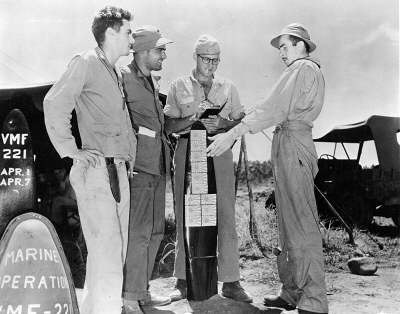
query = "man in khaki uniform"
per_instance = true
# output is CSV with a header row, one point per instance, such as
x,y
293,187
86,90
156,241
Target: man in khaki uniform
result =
x,y
91,86
147,215
187,99
294,103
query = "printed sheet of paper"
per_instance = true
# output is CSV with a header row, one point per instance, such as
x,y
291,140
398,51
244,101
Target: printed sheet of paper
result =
x,y
196,146
198,143
198,135
200,207
198,156
192,199
208,199
193,216
192,210
200,210
199,166
199,183
209,215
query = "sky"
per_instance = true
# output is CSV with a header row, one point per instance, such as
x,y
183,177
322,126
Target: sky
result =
x,y
357,45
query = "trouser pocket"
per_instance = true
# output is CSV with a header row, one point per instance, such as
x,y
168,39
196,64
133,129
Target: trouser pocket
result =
x,y
77,176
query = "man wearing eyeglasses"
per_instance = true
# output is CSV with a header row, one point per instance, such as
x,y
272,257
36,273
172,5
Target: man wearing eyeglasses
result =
x,y
188,98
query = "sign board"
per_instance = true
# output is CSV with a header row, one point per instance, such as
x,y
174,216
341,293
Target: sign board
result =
x,y
17,180
34,274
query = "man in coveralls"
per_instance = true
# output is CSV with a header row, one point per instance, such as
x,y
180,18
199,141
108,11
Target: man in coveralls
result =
x,y
294,103
187,99
147,216
91,86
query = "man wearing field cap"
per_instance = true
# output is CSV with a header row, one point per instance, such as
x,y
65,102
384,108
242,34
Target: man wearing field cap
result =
x,y
294,103
187,99
146,225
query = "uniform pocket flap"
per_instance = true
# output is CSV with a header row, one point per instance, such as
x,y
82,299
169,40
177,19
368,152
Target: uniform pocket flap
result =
x,y
107,129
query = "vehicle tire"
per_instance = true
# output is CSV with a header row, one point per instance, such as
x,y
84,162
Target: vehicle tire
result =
x,y
358,209
396,218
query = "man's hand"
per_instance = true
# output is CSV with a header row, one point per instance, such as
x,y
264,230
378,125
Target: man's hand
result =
x,y
129,168
212,124
221,143
87,156
217,124
200,109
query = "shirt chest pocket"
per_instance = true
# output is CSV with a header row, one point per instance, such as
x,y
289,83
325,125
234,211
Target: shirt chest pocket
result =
x,y
110,137
220,99
187,103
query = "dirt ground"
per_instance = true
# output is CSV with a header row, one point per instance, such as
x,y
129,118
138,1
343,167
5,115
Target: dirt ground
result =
x,y
347,293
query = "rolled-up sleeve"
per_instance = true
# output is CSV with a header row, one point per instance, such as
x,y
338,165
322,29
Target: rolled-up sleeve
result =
x,y
59,103
171,108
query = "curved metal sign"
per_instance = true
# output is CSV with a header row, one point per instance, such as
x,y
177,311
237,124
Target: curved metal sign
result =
x,y
34,273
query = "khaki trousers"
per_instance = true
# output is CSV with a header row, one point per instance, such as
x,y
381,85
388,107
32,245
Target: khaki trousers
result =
x,y
105,227
146,230
301,263
228,253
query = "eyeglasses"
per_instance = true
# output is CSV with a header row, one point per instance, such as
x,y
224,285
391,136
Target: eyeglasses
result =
x,y
206,60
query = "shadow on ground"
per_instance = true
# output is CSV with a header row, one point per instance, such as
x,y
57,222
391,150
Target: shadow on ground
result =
x,y
216,304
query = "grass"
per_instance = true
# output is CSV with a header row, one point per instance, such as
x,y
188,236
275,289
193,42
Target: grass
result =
x,y
380,241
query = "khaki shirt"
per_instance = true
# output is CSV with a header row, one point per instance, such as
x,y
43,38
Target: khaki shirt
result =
x,y
91,88
153,153
186,94
298,95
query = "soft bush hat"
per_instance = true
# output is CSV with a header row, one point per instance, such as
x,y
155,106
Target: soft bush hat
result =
x,y
148,37
297,30
206,45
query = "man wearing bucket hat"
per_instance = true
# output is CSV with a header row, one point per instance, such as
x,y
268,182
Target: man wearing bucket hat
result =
x,y
146,225
187,99
294,103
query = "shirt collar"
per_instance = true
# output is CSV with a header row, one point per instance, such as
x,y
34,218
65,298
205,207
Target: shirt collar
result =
x,y
317,62
215,79
112,70
139,73
192,77
135,67
102,56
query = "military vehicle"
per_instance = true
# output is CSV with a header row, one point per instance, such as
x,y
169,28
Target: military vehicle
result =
x,y
360,193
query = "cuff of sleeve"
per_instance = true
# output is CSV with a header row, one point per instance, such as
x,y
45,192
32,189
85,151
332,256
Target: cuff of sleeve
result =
x,y
239,130
237,116
251,127
67,151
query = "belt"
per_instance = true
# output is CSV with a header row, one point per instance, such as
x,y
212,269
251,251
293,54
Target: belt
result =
x,y
109,160
113,160
185,135
293,125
